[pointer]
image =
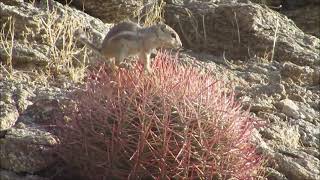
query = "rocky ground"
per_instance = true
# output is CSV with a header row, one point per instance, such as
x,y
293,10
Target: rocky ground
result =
x,y
271,61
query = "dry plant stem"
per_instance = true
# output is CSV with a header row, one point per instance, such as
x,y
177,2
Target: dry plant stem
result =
x,y
58,34
7,41
238,31
204,30
198,37
185,35
155,14
275,39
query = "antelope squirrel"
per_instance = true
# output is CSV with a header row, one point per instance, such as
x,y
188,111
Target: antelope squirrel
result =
x,y
128,39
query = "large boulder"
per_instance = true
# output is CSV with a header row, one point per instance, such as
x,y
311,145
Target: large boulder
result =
x,y
9,175
14,99
109,11
241,31
308,23
26,149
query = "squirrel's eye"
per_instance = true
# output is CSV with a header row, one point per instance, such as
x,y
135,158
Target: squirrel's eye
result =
x,y
173,35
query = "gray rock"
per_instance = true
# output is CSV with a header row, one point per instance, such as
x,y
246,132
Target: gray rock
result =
x,y
316,76
26,150
270,89
242,30
13,101
308,24
297,164
273,174
22,95
8,115
307,111
110,11
261,104
291,70
312,151
289,108
9,175
25,57
309,133
282,134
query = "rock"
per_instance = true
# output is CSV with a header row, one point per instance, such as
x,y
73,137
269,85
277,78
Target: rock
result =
x,y
271,89
12,2
44,111
316,76
261,104
23,57
109,11
299,74
26,150
291,70
13,101
309,133
297,164
8,115
287,160
312,151
22,95
289,108
308,24
8,111
286,4
307,111
273,174
282,134
177,2
9,175
270,116
242,30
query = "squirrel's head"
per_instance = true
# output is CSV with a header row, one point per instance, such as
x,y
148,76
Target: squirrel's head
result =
x,y
169,38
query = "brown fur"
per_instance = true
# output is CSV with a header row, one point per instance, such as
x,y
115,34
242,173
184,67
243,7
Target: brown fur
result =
x,y
120,42
123,26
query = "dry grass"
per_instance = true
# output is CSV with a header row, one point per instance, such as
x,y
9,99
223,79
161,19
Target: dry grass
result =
x,y
150,13
7,41
275,39
56,34
198,37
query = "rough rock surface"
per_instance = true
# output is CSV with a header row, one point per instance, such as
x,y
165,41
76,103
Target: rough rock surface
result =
x,y
9,175
243,30
294,9
309,23
109,11
27,144
285,91
26,149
